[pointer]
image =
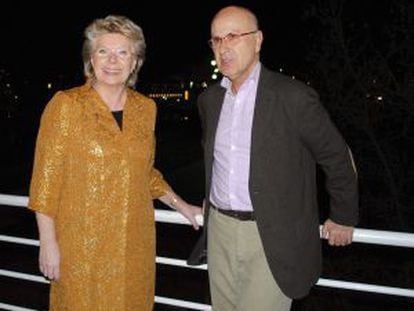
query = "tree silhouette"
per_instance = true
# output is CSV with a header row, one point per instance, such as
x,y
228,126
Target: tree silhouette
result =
x,y
361,58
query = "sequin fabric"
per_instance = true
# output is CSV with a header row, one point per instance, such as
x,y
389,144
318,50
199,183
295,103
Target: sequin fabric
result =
x,y
97,183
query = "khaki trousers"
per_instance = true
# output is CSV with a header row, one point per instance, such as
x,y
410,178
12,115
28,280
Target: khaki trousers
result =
x,y
239,276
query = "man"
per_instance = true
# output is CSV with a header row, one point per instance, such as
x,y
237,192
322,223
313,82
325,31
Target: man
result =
x,y
263,135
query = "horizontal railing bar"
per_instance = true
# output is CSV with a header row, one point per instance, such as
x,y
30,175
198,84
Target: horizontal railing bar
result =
x,y
355,286
360,235
158,299
24,276
178,263
24,241
14,200
160,260
171,217
379,237
182,303
364,287
5,306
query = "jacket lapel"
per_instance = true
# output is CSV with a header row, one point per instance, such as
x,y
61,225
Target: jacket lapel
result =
x,y
216,105
265,98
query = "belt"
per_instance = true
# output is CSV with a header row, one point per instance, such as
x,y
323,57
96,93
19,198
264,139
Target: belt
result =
x,y
240,215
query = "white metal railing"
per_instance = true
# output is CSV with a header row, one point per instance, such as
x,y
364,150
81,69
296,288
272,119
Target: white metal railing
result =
x,y
378,237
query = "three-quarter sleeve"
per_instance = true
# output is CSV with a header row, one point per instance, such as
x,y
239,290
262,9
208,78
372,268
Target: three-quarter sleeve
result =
x,y
158,186
51,147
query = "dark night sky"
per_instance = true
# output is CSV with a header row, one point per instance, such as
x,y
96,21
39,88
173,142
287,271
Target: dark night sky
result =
x,y
41,41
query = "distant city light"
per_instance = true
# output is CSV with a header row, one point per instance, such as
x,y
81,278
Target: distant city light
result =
x,y
214,76
213,63
216,70
165,95
280,69
49,85
379,98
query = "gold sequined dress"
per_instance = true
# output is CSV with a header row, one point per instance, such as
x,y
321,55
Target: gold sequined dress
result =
x,y
98,183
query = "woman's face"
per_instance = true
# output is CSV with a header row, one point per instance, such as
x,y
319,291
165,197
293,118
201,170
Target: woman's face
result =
x,y
113,59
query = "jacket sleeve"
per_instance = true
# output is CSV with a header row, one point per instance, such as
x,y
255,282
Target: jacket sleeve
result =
x,y
330,151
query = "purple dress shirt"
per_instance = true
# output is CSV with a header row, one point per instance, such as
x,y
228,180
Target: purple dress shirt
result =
x,y
231,165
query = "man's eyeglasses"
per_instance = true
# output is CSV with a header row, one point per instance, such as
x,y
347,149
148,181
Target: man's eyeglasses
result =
x,y
230,38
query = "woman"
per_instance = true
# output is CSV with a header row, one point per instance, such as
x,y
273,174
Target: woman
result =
x,y
93,180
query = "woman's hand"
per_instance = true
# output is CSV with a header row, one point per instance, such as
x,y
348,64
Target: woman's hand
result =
x,y
193,213
49,260
49,254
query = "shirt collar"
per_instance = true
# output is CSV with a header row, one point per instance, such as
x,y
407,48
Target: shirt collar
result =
x,y
253,77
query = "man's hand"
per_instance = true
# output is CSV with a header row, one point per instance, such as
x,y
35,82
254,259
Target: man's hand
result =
x,y
336,234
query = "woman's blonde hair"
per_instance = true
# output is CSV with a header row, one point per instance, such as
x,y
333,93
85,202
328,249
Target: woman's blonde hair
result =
x,y
114,24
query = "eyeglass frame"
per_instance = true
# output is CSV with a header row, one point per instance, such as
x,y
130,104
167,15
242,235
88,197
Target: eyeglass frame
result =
x,y
230,37
118,53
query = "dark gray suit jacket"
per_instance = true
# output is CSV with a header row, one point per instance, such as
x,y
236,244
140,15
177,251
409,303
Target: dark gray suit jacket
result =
x,y
291,133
